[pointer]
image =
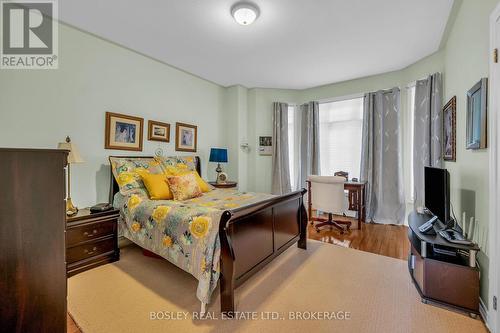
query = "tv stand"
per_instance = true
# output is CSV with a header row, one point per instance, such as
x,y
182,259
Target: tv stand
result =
x,y
448,280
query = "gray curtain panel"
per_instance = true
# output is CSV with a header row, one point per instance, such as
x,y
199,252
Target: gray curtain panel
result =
x,y
381,157
281,167
308,159
428,131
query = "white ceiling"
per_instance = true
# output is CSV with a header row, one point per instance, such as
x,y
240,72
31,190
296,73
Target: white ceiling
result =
x,y
293,44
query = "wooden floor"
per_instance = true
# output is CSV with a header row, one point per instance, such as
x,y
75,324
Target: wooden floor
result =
x,y
386,240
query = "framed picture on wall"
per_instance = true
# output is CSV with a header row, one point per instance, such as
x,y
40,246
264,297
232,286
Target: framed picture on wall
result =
x,y
265,145
449,130
477,101
186,137
123,132
158,131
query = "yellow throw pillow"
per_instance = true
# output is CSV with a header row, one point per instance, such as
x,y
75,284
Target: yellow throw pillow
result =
x,y
184,187
157,186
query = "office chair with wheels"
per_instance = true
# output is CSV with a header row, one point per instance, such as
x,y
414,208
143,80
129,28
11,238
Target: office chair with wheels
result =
x,y
326,194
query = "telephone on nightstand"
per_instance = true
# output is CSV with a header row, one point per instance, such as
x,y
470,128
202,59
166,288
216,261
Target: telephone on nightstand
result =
x,y
101,207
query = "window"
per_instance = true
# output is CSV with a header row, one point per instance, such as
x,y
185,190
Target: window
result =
x,y
340,133
411,116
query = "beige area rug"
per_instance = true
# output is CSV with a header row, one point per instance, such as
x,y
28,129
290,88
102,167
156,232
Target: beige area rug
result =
x,y
375,291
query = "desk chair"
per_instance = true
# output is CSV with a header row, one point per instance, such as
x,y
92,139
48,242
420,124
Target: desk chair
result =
x,y
342,174
326,194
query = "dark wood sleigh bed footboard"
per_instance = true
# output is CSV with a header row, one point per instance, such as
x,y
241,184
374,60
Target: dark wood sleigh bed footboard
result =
x,y
252,236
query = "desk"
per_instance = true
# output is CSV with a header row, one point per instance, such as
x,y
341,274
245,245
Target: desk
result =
x,y
357,200
356,197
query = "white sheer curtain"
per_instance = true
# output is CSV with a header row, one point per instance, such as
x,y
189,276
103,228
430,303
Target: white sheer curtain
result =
x,y
340,128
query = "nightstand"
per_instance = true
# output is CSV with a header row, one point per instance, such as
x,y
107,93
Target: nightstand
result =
x,y
227,184
91,240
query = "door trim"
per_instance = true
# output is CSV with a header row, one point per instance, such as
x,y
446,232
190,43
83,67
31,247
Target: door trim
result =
x,y
493,322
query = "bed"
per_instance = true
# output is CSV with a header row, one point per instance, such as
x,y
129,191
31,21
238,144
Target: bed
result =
x,y
224,235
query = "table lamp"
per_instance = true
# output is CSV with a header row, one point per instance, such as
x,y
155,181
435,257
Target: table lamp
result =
x,y
73,157
218,155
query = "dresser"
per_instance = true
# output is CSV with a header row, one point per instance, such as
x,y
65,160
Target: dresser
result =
x,y
91,240
32,245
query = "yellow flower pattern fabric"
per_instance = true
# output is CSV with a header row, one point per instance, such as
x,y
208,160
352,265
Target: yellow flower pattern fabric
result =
x,y
184,162
160,213
200,226
186,233
134,201
127,172
184,187
167,241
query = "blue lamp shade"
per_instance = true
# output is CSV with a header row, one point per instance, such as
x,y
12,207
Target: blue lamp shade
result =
x,y
218,155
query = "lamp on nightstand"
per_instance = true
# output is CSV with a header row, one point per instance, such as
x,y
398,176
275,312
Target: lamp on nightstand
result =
x,y
219,155
73,157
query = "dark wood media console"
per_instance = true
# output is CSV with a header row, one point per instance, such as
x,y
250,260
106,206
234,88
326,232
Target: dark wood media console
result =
x,y
451,281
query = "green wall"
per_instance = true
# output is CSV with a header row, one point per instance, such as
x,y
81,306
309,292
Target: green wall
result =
x,y
466,62
38,108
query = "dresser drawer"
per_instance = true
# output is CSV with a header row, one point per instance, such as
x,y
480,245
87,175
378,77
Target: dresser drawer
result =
x,y
89,250
90,231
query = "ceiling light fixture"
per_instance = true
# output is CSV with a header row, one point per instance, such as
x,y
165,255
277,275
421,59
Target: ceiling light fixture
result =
x,y
244,13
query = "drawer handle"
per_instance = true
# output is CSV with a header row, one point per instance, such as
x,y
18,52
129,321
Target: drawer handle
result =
x,y
86,233
90,252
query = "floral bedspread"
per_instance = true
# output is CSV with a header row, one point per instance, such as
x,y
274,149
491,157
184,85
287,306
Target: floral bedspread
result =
x,y
183,232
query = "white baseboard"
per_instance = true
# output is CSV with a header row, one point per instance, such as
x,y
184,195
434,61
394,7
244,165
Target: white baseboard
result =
x,y
484,313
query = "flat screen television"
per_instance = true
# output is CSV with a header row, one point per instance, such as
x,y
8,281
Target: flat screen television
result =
x,y
437,193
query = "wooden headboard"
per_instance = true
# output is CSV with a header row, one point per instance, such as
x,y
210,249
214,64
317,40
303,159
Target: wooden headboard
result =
x,y
114,188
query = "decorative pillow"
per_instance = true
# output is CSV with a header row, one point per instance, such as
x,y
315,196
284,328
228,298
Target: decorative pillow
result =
x,y
127,172
157,186
184,187
204,186
188,162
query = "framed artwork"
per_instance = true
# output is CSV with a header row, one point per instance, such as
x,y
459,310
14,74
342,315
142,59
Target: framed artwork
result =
x,y
123,132
477,101
450,130
186,137
158,131
265,145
